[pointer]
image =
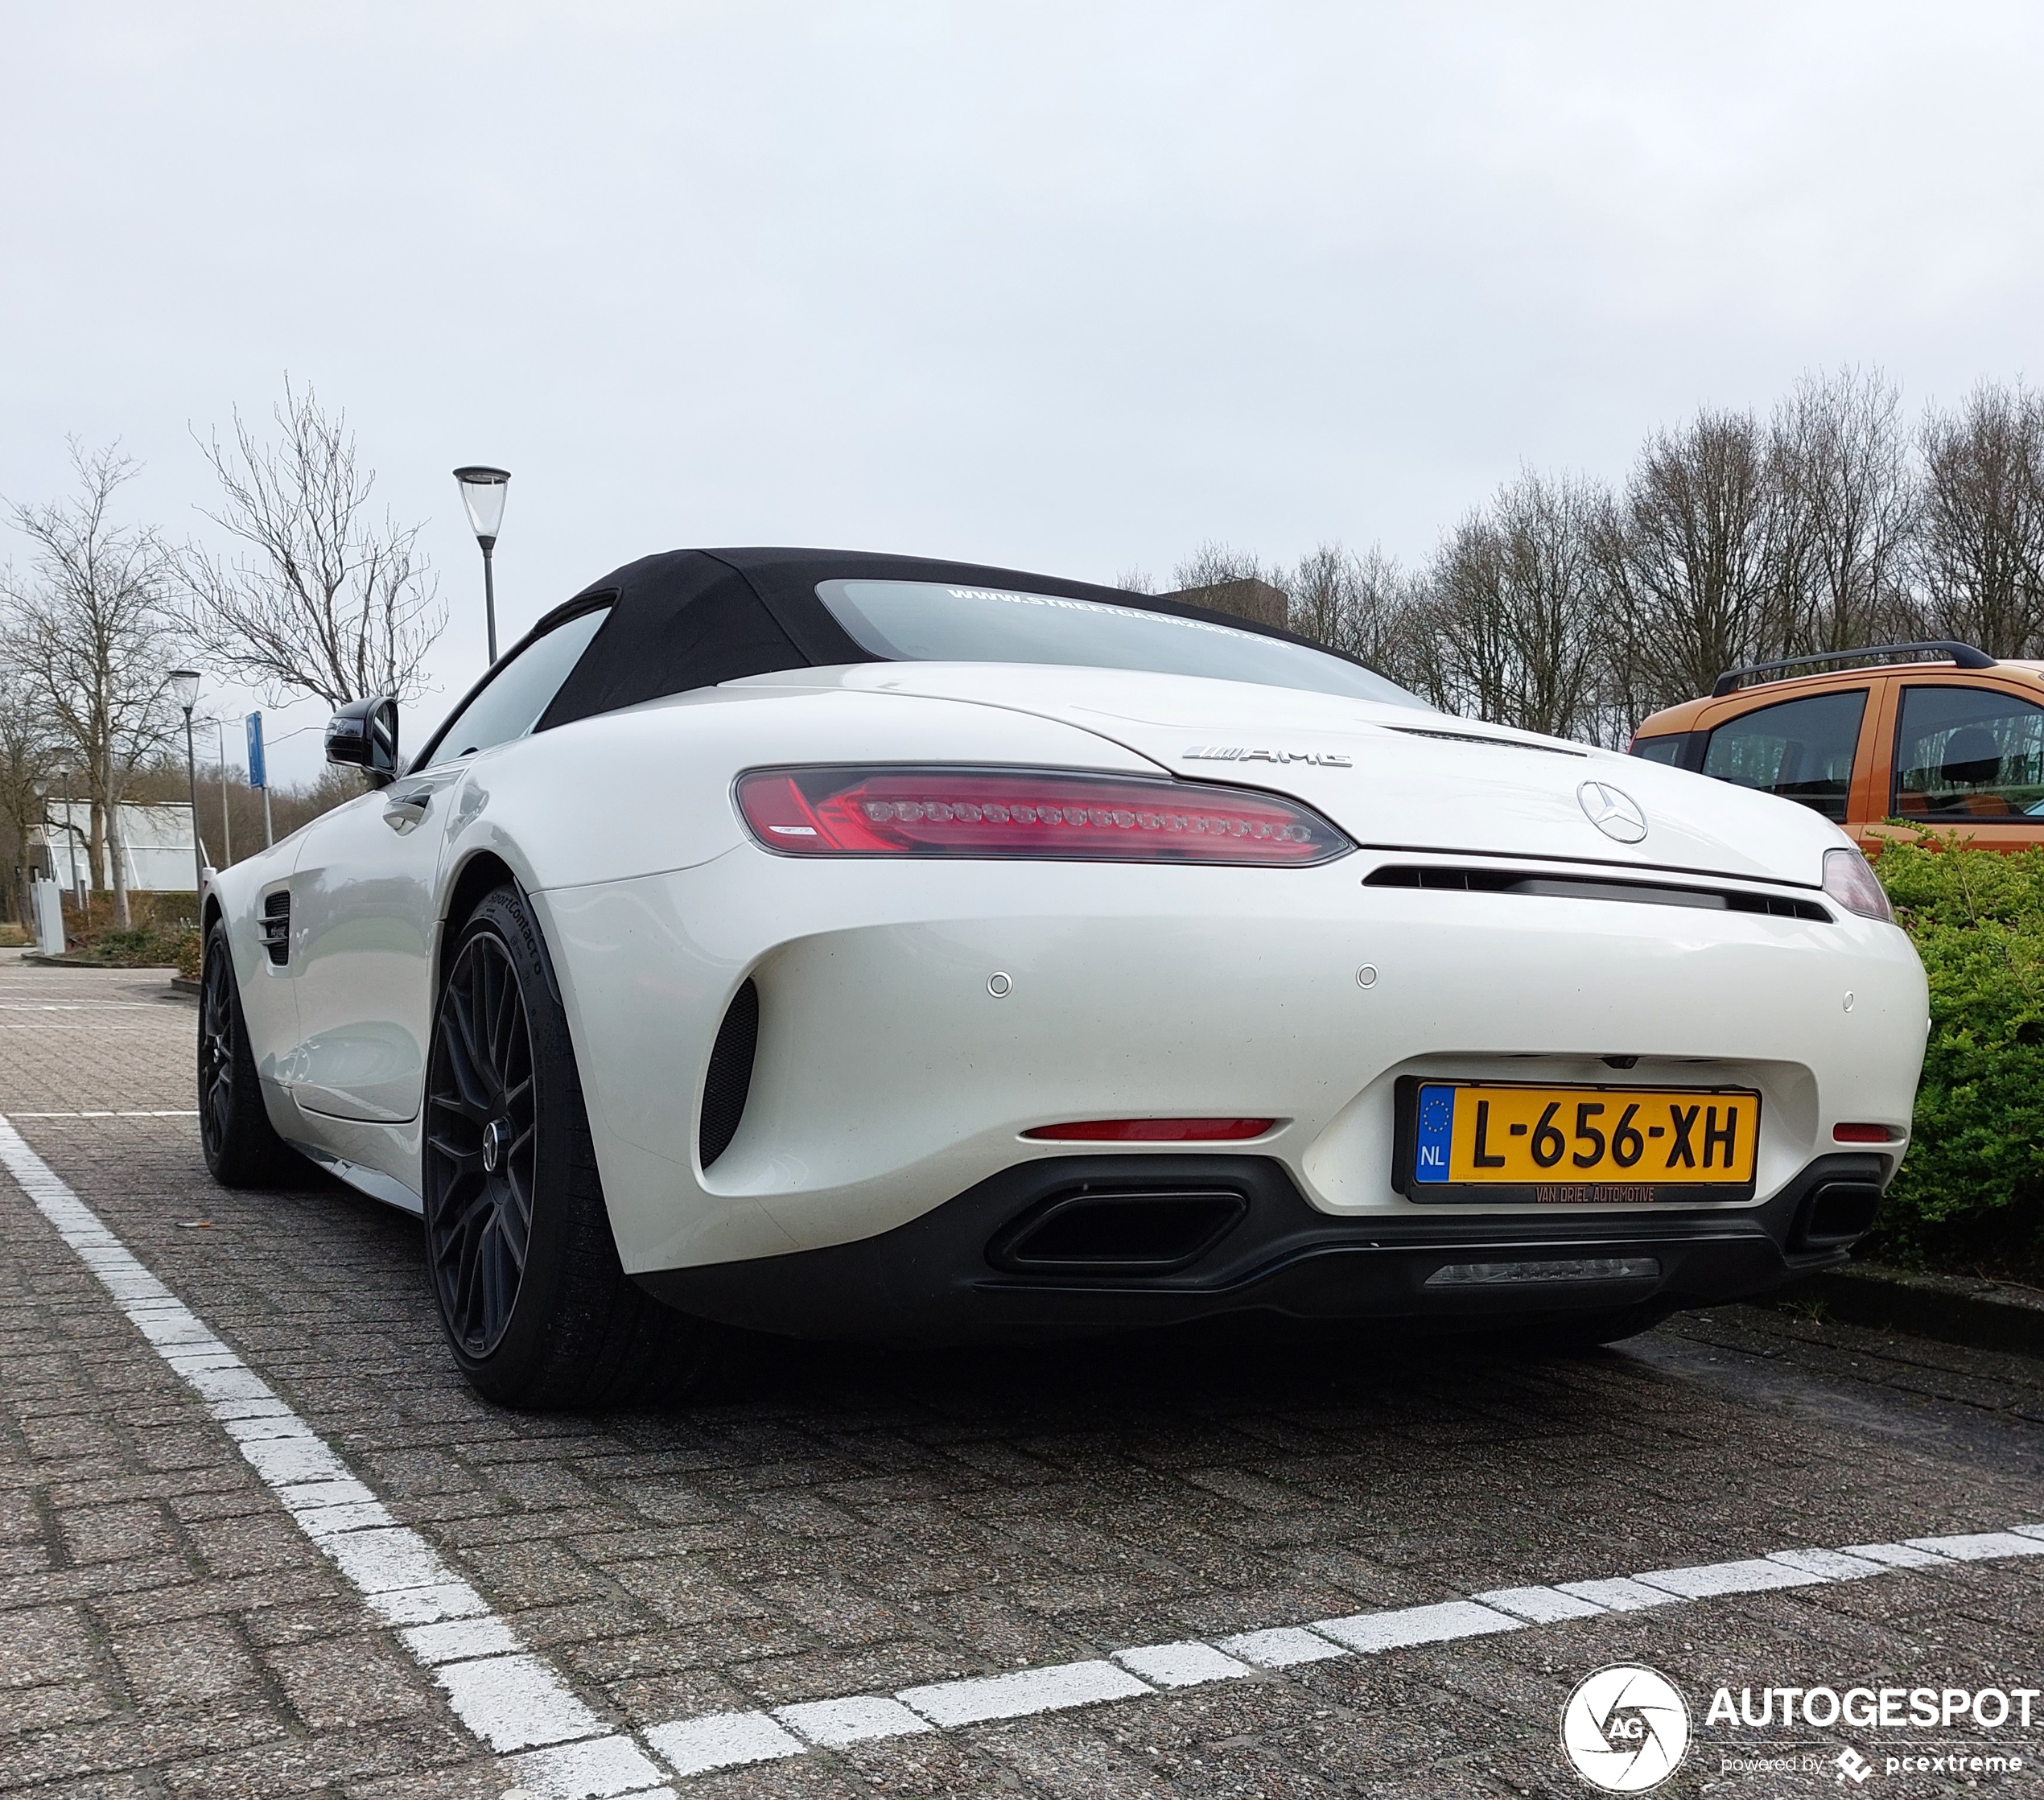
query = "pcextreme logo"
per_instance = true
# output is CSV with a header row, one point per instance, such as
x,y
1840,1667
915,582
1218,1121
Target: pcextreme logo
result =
x,y
1626,1729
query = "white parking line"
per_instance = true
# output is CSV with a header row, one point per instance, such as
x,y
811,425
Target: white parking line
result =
x,y
1017,1694
164,1112
515,1701
511,1699
78,1006
718,1741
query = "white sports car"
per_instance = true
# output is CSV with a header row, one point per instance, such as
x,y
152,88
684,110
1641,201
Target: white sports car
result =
x,y
836,944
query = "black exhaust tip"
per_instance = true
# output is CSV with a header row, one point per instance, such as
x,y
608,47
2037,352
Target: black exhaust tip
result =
x,y
1148,1233
1838,1212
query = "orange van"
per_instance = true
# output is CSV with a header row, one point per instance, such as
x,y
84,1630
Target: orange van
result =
x,y
1938,735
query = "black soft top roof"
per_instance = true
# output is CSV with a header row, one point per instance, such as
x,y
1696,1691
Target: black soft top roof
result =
x,y
690,619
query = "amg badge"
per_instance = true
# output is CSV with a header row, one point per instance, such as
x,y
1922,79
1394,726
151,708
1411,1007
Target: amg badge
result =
x,y
1235,753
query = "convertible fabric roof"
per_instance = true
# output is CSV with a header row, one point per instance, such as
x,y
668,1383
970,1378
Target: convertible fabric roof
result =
x,y
690,619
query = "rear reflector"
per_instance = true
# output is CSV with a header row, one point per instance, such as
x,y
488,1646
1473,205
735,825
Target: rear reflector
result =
x,y
882,811
1153,1130
1861,1133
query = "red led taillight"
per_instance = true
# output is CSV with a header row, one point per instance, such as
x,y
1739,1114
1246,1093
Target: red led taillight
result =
x,y
1154,1130
1860,1134
1001,812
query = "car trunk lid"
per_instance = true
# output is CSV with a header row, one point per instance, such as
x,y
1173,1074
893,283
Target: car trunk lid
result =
x,y
1392,777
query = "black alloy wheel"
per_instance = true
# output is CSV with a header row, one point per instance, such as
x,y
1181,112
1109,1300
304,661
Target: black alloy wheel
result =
x,y
216,1042
241,1147
537,1307
481,1146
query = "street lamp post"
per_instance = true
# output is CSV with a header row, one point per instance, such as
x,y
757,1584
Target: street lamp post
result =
x,y
226,824
183,684
80,866
482,493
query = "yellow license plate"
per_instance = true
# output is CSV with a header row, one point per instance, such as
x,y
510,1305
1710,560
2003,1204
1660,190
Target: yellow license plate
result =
x,y
1501,1141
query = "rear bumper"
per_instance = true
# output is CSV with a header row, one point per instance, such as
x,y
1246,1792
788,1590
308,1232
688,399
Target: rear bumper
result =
x,y
915,1023
962,1271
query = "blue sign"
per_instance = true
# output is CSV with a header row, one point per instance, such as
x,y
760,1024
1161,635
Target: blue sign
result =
x,y
1433,1134
257,776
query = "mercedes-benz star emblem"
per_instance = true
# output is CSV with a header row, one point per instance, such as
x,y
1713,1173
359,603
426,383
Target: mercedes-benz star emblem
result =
x,y
1613,811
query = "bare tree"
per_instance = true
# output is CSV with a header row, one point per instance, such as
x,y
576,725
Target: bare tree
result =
x,y
320,597
92,635
1216,565
1980,544
27,759
1521,607
1368,606
1843,502
1689,561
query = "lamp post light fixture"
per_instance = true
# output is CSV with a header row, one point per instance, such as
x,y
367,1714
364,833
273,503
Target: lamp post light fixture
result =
x,y
183,684
482,493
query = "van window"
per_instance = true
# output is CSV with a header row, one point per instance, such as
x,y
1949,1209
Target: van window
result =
x,y
1968,753
1666,749
1802,750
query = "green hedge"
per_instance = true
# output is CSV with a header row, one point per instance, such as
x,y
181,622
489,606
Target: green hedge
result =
x,y
1970,1195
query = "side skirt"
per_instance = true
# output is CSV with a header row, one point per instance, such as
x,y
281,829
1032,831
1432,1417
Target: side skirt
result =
x,y
371,1181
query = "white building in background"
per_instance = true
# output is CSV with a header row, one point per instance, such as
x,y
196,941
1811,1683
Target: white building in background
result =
x,y
158,843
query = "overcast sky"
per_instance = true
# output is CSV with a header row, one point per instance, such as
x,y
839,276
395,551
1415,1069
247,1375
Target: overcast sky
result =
x,y
1070,288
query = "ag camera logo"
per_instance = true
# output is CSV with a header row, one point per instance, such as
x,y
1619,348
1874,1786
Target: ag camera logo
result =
x,y
1625,1729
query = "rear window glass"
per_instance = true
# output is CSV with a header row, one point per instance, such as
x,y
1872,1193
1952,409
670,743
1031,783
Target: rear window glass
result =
x,y
927,621
1802,750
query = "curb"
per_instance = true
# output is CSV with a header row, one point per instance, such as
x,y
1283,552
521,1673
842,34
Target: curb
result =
x,y
181,985
36,959
1951,1309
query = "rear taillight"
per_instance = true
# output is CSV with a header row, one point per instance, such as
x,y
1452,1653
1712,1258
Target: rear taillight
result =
x,y
1853,883
1005,812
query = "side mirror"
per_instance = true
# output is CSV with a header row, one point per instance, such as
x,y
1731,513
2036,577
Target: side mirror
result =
x,y
364,733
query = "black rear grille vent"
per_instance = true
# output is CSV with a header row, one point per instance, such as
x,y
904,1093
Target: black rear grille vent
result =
x,y
275,926
730,1077
1593,887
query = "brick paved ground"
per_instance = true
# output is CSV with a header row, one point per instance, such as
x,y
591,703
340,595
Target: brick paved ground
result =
x,y
830,1523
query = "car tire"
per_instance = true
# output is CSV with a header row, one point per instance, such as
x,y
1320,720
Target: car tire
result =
x,y
241,1147
537,1308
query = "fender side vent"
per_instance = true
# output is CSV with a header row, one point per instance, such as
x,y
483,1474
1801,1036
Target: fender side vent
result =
x,y
1119,1234
275,926
730,1077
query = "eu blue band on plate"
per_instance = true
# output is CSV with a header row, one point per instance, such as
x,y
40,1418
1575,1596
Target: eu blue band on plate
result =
x,y
1434,1130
